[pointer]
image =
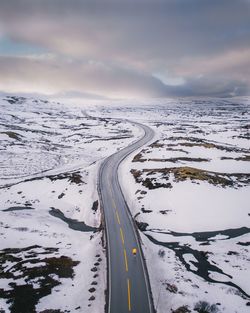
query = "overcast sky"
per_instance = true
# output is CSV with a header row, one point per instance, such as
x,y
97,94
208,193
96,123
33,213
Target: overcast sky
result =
x,y
125,48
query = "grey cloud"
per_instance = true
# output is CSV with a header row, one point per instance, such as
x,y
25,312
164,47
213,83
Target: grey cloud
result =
x,y
53,76
131,29
135,39
211,87
72,79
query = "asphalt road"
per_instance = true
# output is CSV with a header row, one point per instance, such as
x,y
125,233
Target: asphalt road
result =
x,y
128,286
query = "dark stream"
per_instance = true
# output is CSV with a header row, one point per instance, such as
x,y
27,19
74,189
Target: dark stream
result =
x,y
18,208
73,224
207,237
202,265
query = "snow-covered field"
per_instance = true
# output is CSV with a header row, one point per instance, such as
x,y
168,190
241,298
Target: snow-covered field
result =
x,y
51,253
188,191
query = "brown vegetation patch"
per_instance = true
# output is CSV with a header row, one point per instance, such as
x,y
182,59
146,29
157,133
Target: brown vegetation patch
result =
x,y
189,142
195,142
150,183
12,135
138,158
171,288
180,159
198,142
243,158
214,178
178,150
30,265
189,173
156,144
73,177
182,309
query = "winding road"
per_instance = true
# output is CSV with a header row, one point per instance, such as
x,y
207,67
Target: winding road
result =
x,y
128,284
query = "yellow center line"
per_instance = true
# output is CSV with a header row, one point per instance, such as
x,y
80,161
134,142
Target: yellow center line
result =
x,y
122,237
113,201
129,300
126,260
118,217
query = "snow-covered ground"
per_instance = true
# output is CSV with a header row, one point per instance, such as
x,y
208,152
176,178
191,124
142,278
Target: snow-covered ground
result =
x,y
189,193
51,252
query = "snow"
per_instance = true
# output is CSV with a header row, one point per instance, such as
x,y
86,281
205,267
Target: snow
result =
x,y
50,155
177,217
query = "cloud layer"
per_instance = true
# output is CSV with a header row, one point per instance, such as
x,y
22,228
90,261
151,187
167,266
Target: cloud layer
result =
x,y
126,48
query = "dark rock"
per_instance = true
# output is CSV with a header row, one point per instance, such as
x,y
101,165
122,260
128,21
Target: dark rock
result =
x,y
61,195
141,225
182,309
95,206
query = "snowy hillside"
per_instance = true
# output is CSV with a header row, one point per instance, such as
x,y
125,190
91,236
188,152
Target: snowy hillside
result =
x,y
189,194
188,191
51,253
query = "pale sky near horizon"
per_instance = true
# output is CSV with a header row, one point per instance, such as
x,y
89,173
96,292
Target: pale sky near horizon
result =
x,y
125,48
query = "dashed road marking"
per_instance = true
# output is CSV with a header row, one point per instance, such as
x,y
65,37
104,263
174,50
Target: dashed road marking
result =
x,y
129,299
113,201
126,260
118,217
122,236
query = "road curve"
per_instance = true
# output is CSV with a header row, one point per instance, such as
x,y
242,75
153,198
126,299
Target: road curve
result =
x,y
128,284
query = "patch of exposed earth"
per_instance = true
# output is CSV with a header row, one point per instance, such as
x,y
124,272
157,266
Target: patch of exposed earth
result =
x,y
30,274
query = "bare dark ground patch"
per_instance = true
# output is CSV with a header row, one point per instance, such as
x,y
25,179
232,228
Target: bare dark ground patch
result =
x,y
195,175
43,274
